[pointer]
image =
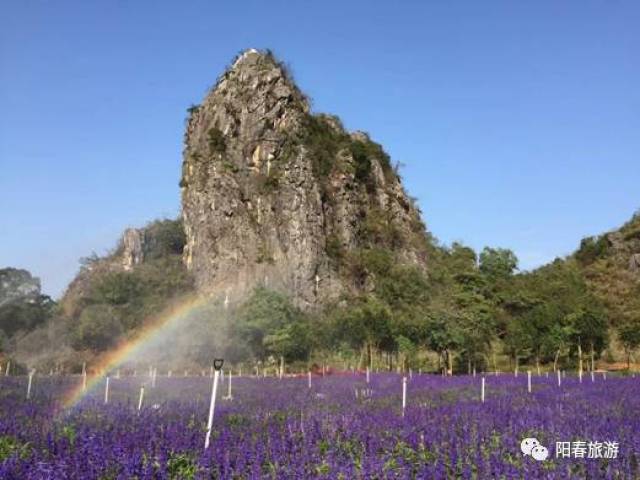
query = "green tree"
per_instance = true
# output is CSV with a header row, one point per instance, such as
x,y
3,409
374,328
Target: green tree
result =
x,y
537,325
498,262
558,341
25,314
366,325
270,324
590,329
444,335
407,350
461,258
629,336
291,342
476,327
98,328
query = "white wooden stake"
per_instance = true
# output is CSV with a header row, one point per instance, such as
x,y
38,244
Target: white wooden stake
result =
x,y
580,375
29,384
404,394
309,377
229,397
368,378
529,380
212,406
482,390
106,391
559,378
6,374
84,380
593,377
141,398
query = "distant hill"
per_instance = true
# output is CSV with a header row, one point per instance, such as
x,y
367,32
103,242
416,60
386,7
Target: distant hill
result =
x,y
22,305
138,279
611,265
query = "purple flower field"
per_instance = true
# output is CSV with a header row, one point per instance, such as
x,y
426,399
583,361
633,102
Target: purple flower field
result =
x,y
282,429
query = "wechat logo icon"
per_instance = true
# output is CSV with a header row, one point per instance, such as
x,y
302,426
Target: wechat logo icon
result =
x,y
531,446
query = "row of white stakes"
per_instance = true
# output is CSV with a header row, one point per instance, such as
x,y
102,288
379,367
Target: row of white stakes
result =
x,y
483,383
230,397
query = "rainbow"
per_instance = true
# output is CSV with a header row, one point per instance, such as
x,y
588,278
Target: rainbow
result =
x,y
151,332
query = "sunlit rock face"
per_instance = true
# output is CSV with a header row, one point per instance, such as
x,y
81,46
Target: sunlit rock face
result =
x,y
132,248
273,195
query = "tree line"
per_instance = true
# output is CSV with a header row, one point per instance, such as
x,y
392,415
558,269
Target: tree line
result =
x,y
472,312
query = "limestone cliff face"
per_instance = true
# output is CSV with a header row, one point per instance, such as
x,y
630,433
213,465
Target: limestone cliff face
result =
x,y
274,195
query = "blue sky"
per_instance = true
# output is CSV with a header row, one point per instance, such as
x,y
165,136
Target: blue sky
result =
x,y
518,122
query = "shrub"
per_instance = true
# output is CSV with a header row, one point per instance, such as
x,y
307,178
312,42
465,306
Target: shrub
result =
x,y
216,140
362,161
323,142
363,152
164,237
116,288
181,466
334,247
592,248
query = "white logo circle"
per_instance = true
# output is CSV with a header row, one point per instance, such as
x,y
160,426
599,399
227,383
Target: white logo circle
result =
x,y
528,444
540,453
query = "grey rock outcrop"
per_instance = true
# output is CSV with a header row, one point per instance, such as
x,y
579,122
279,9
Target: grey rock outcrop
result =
x,y
17,284
132,248
274,195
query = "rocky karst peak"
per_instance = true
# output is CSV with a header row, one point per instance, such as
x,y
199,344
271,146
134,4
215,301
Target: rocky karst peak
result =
x,y
274,195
